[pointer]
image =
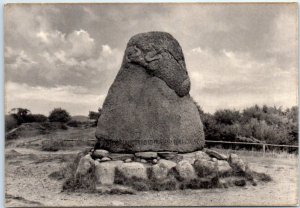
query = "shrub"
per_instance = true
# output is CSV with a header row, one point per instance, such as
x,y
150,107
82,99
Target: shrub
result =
x,y
95,116
19,114
74,123
72,183
263,124
227,116
59,115
35,118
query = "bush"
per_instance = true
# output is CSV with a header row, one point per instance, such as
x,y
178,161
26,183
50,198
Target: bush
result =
x,y
35,118
59,115
227,116
74,123
95,116
266,124
71,183
19,114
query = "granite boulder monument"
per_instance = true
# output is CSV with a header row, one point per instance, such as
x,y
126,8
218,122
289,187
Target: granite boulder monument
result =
x,y
148,106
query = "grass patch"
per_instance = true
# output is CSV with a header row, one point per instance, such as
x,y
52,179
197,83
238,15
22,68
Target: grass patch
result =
x,y
55,144
52,145
258,153
201,183
72,183
253,175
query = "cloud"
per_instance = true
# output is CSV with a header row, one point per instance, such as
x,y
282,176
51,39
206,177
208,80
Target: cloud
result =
x,y
63,59
83,46
235,80
236,54
36,98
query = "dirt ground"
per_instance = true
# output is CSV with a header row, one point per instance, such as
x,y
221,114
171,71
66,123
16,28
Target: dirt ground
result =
x,y
27,183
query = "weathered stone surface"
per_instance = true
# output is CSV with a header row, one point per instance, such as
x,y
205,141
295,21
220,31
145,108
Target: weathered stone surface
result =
x,y
148,107
128,160
223,167
190,157
143,161
177,158
133,169
121,156
162,168
236,163
205,167
167,163
84,165
159,172
167,155
99,153
105,172
216,154
186,170
193,156
200,155
146,155
104,159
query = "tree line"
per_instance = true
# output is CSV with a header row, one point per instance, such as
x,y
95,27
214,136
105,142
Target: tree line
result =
x,y
253,124
18,116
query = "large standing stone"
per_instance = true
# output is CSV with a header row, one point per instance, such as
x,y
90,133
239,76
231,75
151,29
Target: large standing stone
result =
x,y
148,106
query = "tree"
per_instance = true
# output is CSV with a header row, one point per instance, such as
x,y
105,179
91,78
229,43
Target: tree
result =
x,y
59,115
19,114
292,113
35,118
227,116
95,115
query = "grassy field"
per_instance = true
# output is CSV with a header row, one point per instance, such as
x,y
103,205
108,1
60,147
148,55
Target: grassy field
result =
x,y
28,166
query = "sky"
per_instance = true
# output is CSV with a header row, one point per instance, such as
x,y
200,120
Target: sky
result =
x,y
67,55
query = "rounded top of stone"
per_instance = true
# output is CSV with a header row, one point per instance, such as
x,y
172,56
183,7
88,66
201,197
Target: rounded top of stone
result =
x,y
161,55
157,41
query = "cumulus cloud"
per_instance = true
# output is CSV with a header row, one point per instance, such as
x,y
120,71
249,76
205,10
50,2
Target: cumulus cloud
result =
x,y
236,54
235,80
77,100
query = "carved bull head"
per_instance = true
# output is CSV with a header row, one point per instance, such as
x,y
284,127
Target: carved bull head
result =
x,y
161,55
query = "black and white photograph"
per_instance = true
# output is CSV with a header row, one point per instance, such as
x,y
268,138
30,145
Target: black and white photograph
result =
x,y
150,104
